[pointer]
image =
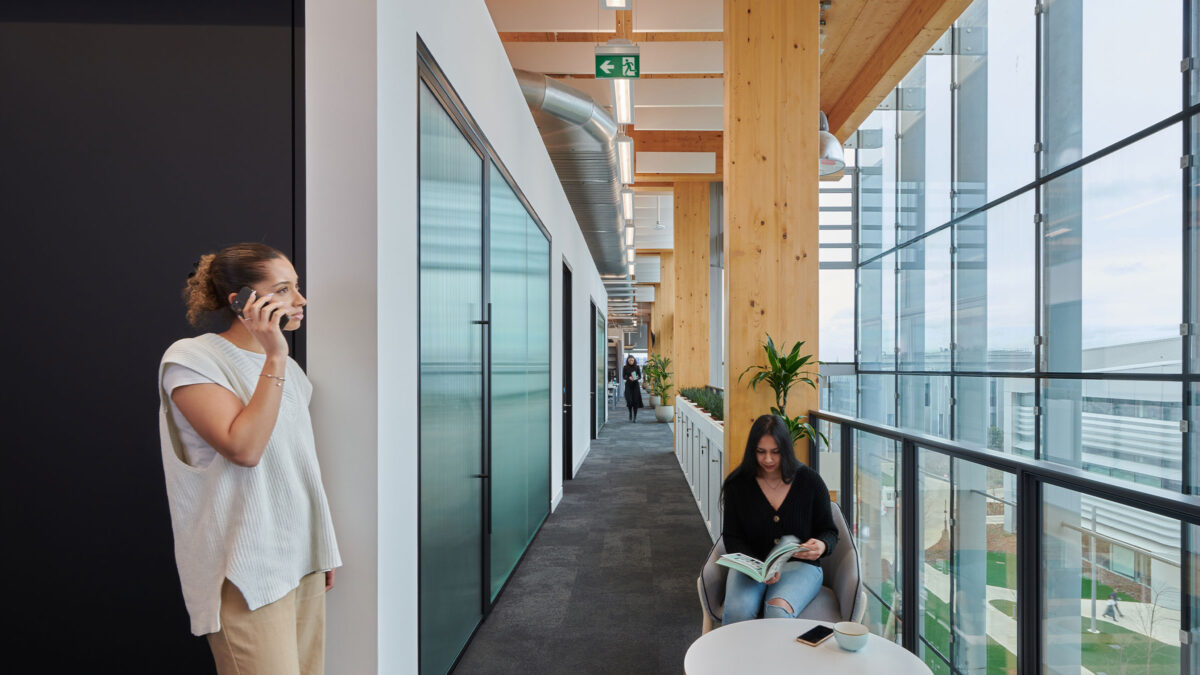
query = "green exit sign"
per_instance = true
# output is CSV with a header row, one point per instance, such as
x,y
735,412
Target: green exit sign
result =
x,y
618,65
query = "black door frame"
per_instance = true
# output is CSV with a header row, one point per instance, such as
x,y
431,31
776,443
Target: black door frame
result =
x,y
592,374
568,443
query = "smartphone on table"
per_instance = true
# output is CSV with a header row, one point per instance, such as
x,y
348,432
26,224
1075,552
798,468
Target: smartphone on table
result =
x,y
815,635
243,298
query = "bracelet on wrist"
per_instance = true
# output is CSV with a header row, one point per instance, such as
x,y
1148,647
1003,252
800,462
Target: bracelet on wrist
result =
x,y
278,380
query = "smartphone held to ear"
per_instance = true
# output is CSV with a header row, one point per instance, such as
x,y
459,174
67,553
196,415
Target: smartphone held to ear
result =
x,y
243,298
815,636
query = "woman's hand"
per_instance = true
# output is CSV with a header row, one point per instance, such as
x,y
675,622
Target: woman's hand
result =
x,y
816,548
329,579
261,318
772,579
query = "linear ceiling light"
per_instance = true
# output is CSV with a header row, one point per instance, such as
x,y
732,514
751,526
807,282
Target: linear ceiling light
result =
x,y
630,269
616,4
627,204
625,158
629,236
629,255
830,160
622,96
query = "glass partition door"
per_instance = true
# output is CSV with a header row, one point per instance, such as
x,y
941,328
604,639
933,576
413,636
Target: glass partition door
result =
x,y
451,414
520,388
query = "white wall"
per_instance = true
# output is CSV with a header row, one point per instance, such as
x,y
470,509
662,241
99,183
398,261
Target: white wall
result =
x,y
361,143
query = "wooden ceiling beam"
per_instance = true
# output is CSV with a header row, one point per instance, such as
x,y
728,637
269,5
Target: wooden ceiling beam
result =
x,y
600,37
555,37
648,76
914,32
625,24
680,141
639,178
677,141
679,36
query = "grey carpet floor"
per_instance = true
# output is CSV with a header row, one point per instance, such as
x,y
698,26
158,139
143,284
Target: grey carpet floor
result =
x,y
609,584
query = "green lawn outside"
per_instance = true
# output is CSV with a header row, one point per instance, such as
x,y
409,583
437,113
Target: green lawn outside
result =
x,y
1117,650
1114,650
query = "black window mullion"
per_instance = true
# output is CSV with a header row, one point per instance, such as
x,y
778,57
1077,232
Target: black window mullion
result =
x,y
910,611
1029,573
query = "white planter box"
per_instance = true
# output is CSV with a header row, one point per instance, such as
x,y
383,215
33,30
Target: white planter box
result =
x,y
699,447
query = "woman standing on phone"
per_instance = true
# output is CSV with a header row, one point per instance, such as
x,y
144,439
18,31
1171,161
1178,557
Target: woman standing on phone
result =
x,y
769,495
254,540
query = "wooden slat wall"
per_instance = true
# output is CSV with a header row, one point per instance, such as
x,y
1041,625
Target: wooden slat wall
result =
x,y
771,96
691,284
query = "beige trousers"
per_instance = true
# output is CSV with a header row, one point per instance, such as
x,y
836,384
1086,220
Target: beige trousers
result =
x,y
286,637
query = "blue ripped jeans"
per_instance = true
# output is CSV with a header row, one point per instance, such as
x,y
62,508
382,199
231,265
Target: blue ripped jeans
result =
x,y
746,599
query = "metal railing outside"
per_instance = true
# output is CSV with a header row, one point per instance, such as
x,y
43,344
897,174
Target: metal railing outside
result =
x,y
1031,476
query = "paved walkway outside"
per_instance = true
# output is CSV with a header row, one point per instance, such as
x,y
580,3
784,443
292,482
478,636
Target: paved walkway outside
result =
x,y
609,584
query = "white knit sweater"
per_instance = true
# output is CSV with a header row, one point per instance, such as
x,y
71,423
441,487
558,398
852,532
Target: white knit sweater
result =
x,y
262,527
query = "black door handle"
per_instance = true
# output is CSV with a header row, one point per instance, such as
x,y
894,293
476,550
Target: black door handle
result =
x,y
481,475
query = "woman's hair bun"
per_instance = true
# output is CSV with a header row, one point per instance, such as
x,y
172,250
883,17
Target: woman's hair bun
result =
x,y
219,274
199,294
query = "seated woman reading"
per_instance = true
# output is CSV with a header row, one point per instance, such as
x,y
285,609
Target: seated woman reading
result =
x,y
769,495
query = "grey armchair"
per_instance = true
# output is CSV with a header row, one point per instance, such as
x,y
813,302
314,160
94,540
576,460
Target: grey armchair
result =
x,y
841,597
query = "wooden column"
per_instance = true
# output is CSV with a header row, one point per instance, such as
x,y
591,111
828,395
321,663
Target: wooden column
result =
x,y
664,313
772,92
691,285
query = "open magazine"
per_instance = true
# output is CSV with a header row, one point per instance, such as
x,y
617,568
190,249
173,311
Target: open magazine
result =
x,y
761,570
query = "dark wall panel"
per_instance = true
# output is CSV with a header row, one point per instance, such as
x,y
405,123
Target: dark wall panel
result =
x,y
130,143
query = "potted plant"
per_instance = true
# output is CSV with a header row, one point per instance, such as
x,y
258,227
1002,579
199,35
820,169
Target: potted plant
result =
x,y
781,373
660,388
652,371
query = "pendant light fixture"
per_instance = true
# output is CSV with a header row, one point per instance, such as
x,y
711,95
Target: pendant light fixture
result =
x,y
830,158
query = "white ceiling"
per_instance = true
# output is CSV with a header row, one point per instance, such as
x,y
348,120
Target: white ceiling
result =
x,y
651,210
587,15
675,162
665,105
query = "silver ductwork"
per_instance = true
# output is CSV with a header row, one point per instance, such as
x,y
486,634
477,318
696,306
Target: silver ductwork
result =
x,y
579,134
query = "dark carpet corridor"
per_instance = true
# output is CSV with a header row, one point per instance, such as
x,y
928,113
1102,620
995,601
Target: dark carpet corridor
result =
x,y
609,584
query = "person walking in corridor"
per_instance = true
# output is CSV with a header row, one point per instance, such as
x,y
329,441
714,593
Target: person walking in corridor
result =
x,y
769,495
254,540
632,375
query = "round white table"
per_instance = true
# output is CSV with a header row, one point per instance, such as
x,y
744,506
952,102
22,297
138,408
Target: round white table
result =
x,y
769,646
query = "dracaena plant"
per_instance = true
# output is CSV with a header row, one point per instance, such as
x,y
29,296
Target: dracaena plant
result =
x,y
782,372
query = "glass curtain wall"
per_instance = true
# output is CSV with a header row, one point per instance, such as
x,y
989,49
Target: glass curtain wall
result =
x,y
520,385
1026,283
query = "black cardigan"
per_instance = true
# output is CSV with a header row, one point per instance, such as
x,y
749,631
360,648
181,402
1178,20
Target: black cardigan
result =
x,y
753,527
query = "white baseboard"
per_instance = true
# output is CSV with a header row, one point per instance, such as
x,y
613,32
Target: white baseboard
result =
x,y
556,500
587,451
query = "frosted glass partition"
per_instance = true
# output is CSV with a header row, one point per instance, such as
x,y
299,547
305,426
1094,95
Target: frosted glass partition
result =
x,y
451,407
520,368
